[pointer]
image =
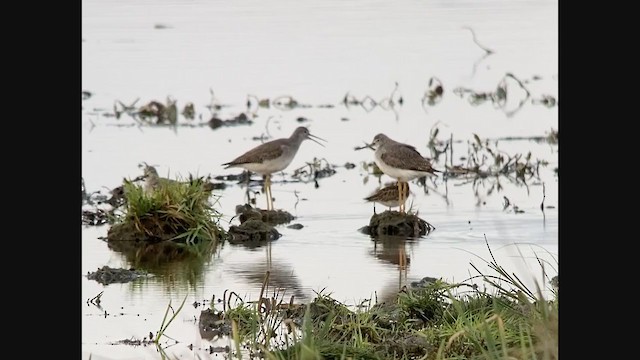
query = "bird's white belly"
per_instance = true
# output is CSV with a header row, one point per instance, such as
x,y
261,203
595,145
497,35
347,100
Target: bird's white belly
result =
x,y
269,166
400,174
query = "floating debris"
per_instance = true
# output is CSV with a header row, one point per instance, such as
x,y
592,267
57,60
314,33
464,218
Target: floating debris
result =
x,y
368,103
135,342
317,169
241,119
107,275
162,113
434,92
213,324
546,100
97,217
189,111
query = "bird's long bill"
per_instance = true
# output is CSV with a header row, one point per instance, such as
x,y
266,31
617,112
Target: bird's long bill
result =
x,y
313,138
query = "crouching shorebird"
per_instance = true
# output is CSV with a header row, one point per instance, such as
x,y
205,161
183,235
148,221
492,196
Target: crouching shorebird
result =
x,y
402,162
152,181
388,196
272,156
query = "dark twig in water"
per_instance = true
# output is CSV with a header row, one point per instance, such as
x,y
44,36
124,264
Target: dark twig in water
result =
x,y
366,146
389,103
295,193
249,108
543,197
451,143
519,83
433,94
266,127
475,40
475,64
96,300
392,96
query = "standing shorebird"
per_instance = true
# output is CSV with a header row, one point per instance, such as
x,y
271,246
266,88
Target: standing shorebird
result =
x,y
272,156
388,196
400,161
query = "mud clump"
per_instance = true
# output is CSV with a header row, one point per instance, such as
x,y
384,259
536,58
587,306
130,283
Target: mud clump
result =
x,y
271,217
106,275
252,233
276,217
213,324
257,225
155,243
397,224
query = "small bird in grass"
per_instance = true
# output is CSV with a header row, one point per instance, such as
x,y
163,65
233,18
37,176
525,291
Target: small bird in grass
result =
x,y
388,196
402,162
152,181
272,156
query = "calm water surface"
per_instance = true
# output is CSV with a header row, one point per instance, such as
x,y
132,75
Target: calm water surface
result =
x,y
315,52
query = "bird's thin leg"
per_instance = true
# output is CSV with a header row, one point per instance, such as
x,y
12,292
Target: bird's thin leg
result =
x,y
400,195
248,192
270,193
267,191
400,187
404,198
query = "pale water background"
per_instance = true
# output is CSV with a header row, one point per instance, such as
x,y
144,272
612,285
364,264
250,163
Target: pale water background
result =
x,y
316,52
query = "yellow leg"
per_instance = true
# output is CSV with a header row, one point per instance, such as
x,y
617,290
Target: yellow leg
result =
x,y
400,195
270,193
402,198
267,185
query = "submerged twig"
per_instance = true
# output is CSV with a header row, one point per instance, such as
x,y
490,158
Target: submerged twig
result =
x,y
543,197
475,40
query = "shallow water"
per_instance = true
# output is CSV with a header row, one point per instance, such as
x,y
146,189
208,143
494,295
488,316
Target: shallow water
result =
x,y
315,52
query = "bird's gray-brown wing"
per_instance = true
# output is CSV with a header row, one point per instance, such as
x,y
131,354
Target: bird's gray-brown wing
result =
x,y
406,157
258,154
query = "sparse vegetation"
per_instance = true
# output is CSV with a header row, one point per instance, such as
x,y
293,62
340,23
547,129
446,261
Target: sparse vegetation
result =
x,y
436,320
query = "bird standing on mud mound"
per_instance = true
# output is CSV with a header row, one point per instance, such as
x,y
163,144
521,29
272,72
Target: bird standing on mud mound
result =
x,y
402,162
272,156
388,196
